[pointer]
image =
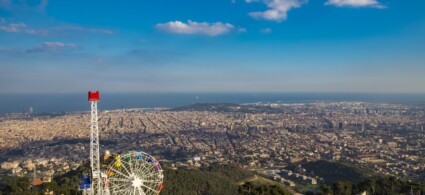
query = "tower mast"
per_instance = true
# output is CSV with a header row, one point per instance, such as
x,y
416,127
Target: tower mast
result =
x,y
96,188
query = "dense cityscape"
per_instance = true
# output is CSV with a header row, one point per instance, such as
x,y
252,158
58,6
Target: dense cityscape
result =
x,y
387,139
219,97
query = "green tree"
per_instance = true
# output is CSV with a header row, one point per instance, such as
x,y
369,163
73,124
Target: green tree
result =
x,y
326,190
342,188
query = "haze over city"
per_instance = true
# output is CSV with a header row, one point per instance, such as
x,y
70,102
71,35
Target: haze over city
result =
x,y
212,46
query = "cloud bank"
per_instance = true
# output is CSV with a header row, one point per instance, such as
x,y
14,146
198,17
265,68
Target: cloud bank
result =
x,y
84,29
200,28
19,28
52,46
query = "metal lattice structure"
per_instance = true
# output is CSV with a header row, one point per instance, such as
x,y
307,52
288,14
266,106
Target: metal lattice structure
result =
x,y
135,173
96,182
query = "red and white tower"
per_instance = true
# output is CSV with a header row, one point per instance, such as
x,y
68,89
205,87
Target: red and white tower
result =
x,y
133,173
96,183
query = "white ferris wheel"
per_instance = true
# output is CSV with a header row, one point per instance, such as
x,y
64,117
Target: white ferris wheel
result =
x,y
135,173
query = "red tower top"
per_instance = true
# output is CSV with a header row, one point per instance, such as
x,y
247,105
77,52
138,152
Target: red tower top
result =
x,y
94,96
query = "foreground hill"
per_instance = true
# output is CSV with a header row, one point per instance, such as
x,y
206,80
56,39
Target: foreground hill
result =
x,y
220,180
216,179
223,179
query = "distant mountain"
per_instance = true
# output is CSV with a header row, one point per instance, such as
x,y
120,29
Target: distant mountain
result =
x,y
227,107
213,107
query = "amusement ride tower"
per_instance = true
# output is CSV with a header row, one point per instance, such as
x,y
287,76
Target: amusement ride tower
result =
x,y
96,182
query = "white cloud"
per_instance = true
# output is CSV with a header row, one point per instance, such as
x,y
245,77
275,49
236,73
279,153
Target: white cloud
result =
x,y
84,29
202,28
355,3
266,30
52,46
13,27
242,30
19,28
278,9
60,30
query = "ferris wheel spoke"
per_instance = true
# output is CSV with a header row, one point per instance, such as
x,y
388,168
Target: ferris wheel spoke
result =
x,y
122,174
120,186
139,166
141,192
142,167
150,174
124,190
130,167
145,169
129,173
149,188
141,171
128,190
119,179
130,164
152,181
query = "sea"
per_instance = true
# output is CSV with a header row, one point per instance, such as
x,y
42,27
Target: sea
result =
x,y
59,103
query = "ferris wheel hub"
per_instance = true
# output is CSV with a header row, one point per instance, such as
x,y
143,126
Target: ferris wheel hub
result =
x,y
137,182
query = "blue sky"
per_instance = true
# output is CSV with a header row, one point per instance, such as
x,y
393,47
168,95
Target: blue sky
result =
x,y
212,46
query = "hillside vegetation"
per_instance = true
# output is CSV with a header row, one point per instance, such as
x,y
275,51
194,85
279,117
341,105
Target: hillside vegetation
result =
x,y
216,179
333,172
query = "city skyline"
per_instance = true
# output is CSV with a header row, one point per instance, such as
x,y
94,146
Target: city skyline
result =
x,y
212,46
